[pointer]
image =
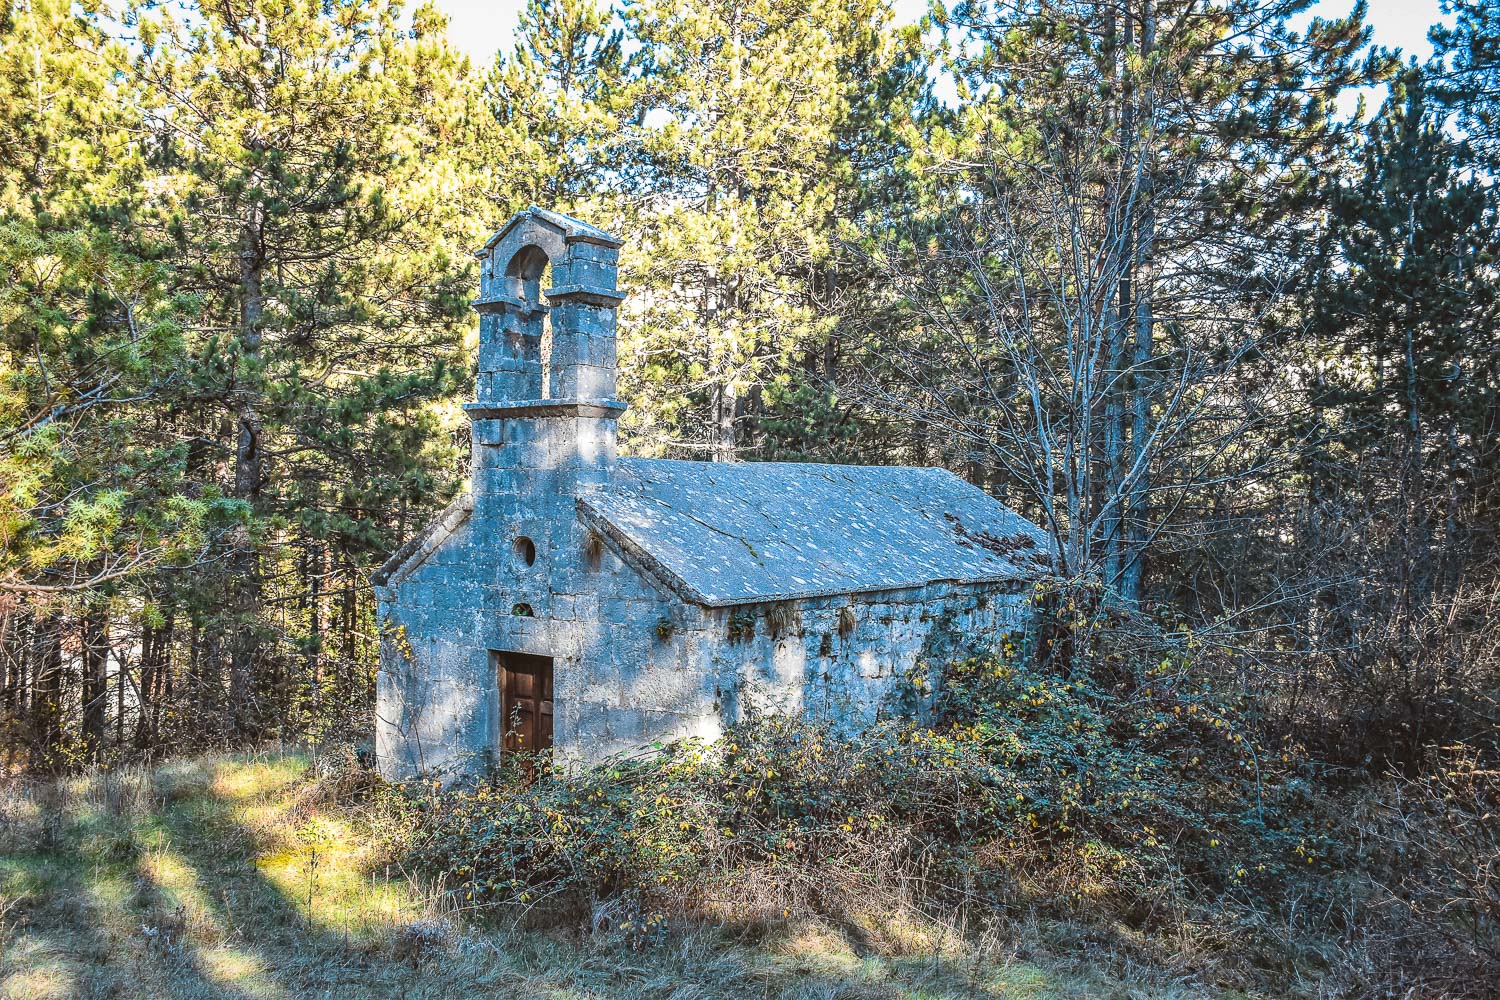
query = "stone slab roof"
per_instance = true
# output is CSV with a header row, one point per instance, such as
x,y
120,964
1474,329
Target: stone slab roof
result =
x,y
724,534
565,224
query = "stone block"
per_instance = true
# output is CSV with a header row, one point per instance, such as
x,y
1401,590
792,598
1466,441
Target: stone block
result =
x,y
589,266
593,275
627,725
487,432
583,380
586,606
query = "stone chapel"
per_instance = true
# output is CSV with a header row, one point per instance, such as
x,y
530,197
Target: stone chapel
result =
x,y
593,604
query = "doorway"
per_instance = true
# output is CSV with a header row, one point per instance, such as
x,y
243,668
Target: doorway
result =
x,y
525,701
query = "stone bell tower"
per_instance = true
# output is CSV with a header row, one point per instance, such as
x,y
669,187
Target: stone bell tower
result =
x,y
553,423
544,430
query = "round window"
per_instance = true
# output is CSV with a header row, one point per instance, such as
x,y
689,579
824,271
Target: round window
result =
x,y
525,550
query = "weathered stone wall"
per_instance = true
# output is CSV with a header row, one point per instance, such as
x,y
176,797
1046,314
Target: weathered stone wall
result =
x,y
852,660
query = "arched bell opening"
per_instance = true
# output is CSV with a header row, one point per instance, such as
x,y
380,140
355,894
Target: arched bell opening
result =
x,y
528,272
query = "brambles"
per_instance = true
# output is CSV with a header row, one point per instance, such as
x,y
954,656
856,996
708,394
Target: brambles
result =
x,y
1027,787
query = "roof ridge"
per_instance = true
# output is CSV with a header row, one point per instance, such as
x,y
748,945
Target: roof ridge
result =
x,y
786,465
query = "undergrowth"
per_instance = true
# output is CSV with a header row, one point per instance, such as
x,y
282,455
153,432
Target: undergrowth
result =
x,y
1082,774
242,876
1135,796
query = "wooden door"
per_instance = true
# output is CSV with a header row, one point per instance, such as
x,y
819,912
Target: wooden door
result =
x,y
525,701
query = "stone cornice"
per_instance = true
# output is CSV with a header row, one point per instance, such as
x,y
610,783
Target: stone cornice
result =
x,y
502,303
610,408
583,293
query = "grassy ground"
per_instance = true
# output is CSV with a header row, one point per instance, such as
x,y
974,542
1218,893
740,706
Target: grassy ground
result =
x,y
232,877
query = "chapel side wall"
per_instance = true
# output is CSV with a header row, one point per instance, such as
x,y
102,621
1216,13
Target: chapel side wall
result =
x,y
853,660
634,664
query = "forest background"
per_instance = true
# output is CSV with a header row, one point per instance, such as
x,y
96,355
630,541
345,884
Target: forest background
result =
x,y
1138,275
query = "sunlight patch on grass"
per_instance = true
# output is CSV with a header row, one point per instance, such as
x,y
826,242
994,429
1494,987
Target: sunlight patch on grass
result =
x,y
323,871
813,946
1022,979
108,890
237,968
238,780
37,965
39,983
174,878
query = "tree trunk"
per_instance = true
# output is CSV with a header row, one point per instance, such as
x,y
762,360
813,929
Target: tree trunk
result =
x,y
150,638
1137,501
95,678
46,690
248,471
1112,465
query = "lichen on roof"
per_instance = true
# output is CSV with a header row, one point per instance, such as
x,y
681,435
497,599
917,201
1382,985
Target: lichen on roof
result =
x,y
739,533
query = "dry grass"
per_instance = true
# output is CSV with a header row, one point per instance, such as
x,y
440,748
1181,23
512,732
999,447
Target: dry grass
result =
x,y
235,876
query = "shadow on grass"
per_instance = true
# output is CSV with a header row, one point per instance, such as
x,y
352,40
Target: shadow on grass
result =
x,y
87,922
162,898
204,885
275,932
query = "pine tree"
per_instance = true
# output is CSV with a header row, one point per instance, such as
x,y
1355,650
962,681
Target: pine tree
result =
x,y
1410,298
556,102
305,154
874,166
1404,381
1466,70
90,336
743,126
94,501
